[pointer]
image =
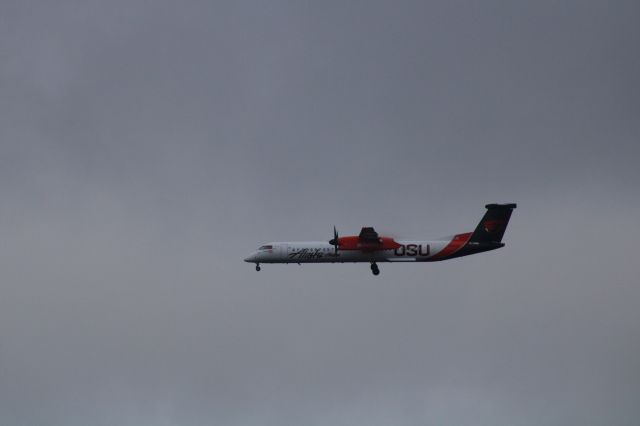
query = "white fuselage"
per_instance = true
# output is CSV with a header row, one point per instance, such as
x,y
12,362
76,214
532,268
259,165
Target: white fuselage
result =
x,y
323,252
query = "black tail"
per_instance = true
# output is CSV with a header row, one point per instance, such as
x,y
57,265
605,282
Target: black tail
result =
x,y
493,224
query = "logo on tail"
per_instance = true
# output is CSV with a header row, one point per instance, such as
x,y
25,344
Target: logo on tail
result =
x,y
492,225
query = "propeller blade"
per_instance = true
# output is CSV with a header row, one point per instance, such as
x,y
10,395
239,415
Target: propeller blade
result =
x,y
334,241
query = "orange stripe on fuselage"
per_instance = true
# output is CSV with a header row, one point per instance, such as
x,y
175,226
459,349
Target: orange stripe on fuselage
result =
x,y
454,245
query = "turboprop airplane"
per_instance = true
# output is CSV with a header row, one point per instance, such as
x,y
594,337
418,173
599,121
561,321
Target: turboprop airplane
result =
x,y
369,247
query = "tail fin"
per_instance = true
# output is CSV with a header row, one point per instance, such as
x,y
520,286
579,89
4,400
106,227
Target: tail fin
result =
x,y
493,224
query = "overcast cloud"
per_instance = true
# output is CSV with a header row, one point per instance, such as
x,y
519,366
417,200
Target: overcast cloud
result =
x,y
147,147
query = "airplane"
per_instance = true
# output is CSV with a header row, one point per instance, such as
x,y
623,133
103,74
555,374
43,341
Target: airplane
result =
x,y
370,247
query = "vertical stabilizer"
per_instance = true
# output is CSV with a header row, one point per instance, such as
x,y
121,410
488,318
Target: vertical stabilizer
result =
x,y
493,224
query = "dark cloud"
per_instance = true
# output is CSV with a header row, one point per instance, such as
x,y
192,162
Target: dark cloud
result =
x,y
146,148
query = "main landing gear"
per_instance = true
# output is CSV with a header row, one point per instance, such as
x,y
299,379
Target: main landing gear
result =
x,y
374,268
258,267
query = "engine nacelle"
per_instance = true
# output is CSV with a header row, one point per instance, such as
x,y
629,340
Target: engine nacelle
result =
x,y
354,243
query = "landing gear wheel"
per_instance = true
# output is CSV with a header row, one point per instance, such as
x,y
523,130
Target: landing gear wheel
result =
x,y
374,269
258,267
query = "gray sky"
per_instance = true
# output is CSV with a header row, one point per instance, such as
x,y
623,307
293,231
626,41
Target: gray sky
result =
x,y
147,147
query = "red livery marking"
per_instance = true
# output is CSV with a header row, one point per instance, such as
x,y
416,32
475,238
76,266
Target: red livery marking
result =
x,y
492,225
353,243
388,243
454,245
348,243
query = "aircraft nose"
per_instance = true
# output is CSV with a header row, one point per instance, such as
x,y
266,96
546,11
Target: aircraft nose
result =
x,y
250,258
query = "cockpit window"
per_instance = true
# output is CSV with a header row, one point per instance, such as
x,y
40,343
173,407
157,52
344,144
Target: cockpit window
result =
x,y
266,247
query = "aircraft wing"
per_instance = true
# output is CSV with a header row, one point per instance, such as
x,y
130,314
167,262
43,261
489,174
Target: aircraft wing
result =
x,y
368,235
368,240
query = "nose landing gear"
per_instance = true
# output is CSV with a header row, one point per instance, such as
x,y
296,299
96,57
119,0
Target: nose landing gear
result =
x,y
258,267
375,269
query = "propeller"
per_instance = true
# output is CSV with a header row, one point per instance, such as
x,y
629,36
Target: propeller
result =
x,y
334,241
